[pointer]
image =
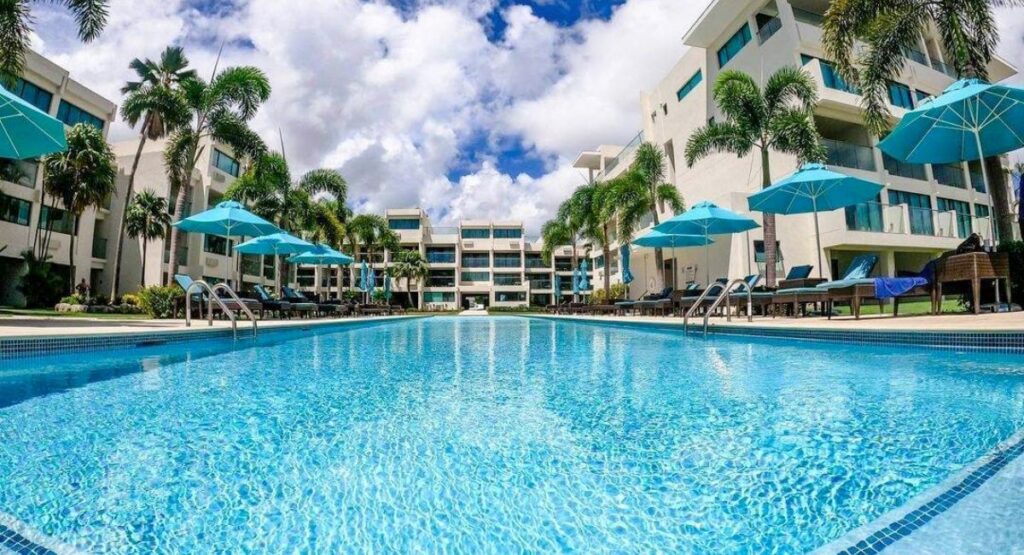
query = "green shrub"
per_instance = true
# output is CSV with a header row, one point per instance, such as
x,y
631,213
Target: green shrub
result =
x,y
158,301
618,291
42,286
74,299
378,296
1016,252
129,299
513,309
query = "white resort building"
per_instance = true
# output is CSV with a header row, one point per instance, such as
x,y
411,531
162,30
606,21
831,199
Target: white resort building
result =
x,y
23,209
923,210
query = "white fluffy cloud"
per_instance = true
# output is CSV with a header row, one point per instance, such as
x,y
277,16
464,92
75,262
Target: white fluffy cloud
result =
x,y
393,97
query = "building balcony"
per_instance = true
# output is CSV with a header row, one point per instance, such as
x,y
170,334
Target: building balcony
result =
x,y
850,155
902,219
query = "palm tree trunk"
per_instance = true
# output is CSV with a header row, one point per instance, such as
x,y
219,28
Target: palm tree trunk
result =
x,y
659,255
607,266
575,264
1002,212
179,207
142,277
71,255
119,240
770,254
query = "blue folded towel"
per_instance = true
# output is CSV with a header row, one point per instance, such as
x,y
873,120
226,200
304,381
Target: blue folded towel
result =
x,y
887,287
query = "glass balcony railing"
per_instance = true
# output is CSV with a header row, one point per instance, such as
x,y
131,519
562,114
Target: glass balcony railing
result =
x,y
809,17
904,169
944,68
949,174
905,219
535,263
540,284
624,153
770,27
849,155
978,182
917,56
441,257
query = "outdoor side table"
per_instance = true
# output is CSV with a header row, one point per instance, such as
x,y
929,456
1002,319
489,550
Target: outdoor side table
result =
x,y
973,267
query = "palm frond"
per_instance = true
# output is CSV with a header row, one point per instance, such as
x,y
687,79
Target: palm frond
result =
x,y
91,16
739,98
15,27
790,85
717,137
794,132
325,181
244,87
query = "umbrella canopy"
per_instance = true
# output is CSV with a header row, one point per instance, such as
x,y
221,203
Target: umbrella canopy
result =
x,y
371,281
275,244
706,219
228,219
26,131
558,287
627,276
657,240
321,255
813,188
364,276
575,283
584,282
971,119
387,287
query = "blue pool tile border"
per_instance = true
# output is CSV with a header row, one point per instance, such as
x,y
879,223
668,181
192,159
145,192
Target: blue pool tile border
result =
x,y
1008,342
31,347
17,541
877,536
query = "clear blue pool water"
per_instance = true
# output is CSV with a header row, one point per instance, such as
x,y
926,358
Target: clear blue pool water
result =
x,y
484,435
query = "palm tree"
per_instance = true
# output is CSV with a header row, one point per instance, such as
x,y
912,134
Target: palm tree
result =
x,y
410,266
600,203
566,228
81,176
155,100
372,233
776,118
642,190
147,219
16,30
219,111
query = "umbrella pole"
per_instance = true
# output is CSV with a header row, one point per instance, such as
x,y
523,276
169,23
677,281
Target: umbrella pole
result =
x,y
988,188
675,285
817,239
707,259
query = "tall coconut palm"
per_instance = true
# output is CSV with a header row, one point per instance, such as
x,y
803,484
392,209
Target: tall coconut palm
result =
x,y
600,202
268,188
147,219
887,29
567,227
219,111
642,190
81,176
16,30
155,100
554,233
775,118
410,266
373,234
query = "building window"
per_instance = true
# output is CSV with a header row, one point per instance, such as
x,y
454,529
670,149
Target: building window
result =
x,y
829,75
476,233
866,216
689,85
508,279
441,278
225,163
539,281
899,95
508,233
733,45
476,259
507,260
72,115
434,297
599,262
535,260
15,210
981,211
563,264
215,245
920,208
540,299
476,276
963,214
61,220
510,297
761,259
404,223
949,174
920,96
437,255
34,95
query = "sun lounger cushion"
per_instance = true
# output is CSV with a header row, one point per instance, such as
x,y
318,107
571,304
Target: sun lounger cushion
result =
x,y
841,283
799,272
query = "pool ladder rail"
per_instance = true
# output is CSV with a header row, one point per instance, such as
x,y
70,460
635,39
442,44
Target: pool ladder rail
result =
x,y
725,295
211,296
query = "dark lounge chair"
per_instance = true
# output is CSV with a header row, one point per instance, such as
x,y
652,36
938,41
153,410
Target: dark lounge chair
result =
x,y
200,299
918,285
269,304
797,297
303,304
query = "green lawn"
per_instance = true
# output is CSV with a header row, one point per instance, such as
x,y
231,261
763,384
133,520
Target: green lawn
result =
x,y
7,311
909,308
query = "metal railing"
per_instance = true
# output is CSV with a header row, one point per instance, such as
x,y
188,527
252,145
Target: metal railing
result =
x,y
700,301
809,17
725,296
211,293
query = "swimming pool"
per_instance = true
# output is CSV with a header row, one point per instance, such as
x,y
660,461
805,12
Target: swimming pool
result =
x,y
487,434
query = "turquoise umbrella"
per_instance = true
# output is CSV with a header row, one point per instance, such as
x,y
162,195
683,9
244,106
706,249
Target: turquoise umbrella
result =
x,y
627,275
26,131
371,282
323,255
557,287
364,274
970,120
575,284
387,287
275,244
811,189
227,219
657,240
706,219
584,283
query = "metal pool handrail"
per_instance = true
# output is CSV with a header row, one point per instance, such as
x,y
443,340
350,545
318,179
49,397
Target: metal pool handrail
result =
x,y
203,286
728,305
696,305
231,292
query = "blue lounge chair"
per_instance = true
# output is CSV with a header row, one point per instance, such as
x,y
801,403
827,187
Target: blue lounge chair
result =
x,y
857,273
918,284
269,303
200,298
301,303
